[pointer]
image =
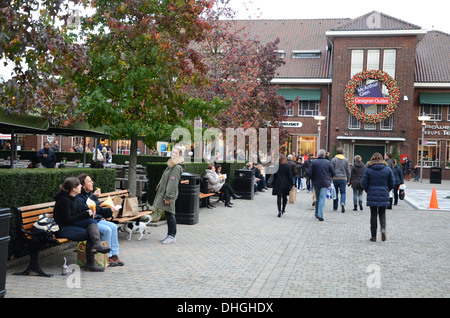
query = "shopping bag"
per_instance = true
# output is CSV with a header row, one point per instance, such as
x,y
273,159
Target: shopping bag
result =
x,y
118,204
292,195
130,207
333,192
401,191
101,260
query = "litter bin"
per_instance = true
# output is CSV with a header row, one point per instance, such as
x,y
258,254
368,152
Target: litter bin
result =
x,y
187,203
5,216
436,175
244,183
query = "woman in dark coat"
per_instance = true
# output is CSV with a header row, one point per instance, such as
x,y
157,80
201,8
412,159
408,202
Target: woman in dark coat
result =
x,y
282,183
355,180
378,181
75,225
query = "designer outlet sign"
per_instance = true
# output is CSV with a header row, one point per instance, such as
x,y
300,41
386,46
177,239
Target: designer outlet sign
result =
x,y
371,94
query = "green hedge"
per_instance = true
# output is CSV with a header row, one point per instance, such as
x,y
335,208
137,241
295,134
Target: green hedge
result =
x,y
28,155
20,187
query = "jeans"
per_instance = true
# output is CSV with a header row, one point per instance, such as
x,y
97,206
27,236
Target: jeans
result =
x,y
298,183
340,186
380,212
308,184
321,195
396,193
171,223
357,196
108,232
73,233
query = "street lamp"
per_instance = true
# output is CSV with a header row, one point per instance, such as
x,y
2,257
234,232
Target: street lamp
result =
x,y
423,118
319,118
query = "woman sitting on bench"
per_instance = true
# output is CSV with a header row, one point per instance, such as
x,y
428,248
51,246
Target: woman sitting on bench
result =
x,y
216,183
77,226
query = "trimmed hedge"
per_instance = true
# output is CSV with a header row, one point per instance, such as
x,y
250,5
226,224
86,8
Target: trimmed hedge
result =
x,y
20,187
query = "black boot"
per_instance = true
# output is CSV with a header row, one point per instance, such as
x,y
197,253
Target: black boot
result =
x,y
94,235
360,205
91,266
390,204
355,207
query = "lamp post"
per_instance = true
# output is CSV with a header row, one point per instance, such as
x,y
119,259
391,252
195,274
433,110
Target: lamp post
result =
x,y
423,118
319,118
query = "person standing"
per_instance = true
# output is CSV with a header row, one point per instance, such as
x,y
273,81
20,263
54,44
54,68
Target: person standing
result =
x,y
167,192
407,169
321,172
398,180
282,183
341,179
355,181
377,181
47,156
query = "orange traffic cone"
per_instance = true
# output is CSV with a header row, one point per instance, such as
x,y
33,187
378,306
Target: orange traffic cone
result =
x,y
433,201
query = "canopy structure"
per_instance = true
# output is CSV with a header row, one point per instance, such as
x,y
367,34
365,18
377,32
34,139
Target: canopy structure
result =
x,y
34,125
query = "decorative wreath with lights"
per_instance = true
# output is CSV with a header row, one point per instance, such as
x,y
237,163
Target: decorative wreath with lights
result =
x,y
390,83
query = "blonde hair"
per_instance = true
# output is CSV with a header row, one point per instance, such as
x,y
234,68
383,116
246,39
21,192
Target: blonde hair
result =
x,y
358,158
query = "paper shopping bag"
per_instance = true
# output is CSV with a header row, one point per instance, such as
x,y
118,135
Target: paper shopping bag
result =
x,y
130,207
292,195
101,260
118,203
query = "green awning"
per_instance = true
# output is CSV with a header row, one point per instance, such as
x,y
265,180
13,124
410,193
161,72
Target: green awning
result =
x,y
304,94
22,124
435,98
78,129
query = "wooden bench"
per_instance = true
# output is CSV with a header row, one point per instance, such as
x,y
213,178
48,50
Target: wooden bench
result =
x,y
26,216
123,194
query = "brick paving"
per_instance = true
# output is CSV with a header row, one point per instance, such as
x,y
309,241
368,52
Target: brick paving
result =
x,y
248,252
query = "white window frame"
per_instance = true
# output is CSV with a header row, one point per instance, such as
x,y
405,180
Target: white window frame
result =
x,y
309,104
428,110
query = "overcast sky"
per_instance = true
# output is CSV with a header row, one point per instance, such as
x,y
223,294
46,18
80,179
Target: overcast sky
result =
x,y
430,15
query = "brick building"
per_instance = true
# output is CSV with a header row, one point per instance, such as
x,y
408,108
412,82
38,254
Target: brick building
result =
x,y
323,55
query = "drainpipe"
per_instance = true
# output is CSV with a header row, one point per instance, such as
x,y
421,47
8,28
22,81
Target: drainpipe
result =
x,y
329,95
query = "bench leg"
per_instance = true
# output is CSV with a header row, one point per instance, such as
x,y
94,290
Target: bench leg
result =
x,y
34,266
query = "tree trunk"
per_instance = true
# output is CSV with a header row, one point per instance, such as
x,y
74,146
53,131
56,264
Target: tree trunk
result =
x,y
132,168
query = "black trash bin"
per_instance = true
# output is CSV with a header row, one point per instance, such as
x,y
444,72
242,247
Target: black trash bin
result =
x,y
244,183
436,175
187,203
5,216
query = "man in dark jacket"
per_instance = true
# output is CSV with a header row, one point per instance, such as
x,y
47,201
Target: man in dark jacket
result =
x,y
321,171
46,156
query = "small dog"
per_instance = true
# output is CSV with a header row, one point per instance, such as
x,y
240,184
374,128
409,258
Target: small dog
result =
x,y
135,227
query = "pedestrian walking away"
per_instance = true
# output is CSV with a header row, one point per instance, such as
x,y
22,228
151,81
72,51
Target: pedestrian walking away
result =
x,y
355,181
283,182
341,179
378,181
321,172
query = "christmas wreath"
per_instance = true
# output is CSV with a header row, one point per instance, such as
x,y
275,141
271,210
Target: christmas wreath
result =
x,y
391,85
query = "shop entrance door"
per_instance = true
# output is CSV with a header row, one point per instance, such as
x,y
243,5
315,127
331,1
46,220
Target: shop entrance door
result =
x,y
366,152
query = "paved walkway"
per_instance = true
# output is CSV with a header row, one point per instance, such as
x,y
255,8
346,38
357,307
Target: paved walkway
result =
x,y
247,252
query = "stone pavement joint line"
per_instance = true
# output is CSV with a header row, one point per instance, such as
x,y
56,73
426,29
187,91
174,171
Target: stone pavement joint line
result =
x,y
248,252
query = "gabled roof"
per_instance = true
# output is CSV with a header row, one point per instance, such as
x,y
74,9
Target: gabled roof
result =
x,y
376,21
296,35
432,54
433,58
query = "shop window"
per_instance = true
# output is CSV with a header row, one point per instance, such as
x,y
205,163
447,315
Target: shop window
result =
x,y
306,144
434,111
431,152
308,108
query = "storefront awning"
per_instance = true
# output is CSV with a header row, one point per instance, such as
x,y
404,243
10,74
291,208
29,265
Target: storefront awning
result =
x,y
22,124
371,138
304,94
435,98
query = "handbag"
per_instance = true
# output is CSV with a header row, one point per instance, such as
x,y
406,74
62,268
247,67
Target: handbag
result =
x,y
271,180
44,228
401,191
130,207
292,195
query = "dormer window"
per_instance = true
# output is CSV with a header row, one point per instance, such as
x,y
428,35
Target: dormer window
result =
x,y
305,54
281,54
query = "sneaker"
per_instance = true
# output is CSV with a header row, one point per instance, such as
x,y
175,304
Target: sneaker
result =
x,y
342,208
298,190
115,261
169,240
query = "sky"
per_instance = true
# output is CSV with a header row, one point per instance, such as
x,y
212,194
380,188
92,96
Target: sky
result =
x,y
430,15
